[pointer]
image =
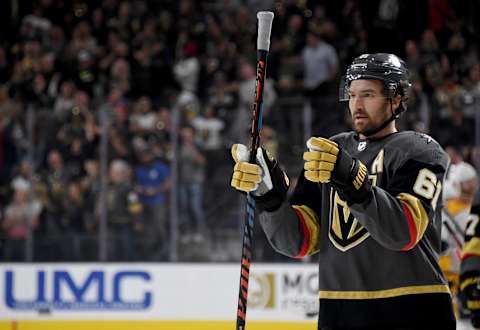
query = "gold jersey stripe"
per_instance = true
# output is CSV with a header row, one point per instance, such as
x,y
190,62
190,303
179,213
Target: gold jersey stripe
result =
x,y
353,295
312,223
472,247
469,281
361,174
418,213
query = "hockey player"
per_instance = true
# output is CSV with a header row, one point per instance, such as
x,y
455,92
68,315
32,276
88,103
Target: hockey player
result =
x,y
470,266
368,203
460,186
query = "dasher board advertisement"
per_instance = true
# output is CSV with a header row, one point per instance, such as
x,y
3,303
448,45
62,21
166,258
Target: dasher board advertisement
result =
x,y
168,292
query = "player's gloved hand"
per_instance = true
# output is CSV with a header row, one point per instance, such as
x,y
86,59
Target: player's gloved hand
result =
x,y
326,162
469,286
265,180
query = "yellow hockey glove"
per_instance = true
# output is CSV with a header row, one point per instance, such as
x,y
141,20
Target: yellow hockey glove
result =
x,y
265,180
327,162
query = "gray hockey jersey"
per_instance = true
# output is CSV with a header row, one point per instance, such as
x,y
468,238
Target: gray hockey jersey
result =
x,y
378,257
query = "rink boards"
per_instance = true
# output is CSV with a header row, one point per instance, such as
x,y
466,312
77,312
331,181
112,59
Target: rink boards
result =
x,y
151,325
155,296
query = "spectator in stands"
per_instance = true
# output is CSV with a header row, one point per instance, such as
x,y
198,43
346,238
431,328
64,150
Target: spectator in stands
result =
x,y
320,68
90,187
419,109
120,75
187,68
56,181
75,157
74,217
86,72
152,178
221,98
209,132
246,92
143,119
209,137
119,137
55,40
20,220
413,58
57,56
123,210
471,91
12,139
82,40
64,101
460,184
192,164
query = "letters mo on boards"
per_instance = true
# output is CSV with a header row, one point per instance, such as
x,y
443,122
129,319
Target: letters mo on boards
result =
x,y
300,291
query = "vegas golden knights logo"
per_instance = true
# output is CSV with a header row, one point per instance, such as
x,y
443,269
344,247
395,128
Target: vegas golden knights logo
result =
x,y
345,231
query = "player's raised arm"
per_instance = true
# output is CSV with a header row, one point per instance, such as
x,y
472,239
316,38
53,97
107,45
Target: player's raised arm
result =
x,y
399,215
294,228
291,230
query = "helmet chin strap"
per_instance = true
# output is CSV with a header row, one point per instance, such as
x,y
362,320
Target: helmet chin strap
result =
x,y
374,131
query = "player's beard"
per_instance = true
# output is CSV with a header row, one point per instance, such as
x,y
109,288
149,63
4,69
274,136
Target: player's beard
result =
x,y
368,126
365,128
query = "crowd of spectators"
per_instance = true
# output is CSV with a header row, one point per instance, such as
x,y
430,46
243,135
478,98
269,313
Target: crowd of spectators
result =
x,y
74,72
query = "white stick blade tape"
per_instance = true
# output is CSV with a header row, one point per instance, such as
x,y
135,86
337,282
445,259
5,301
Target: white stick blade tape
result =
x,y
265,19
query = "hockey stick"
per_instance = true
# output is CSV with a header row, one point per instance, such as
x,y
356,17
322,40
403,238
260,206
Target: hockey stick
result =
x,y
265,19
453,228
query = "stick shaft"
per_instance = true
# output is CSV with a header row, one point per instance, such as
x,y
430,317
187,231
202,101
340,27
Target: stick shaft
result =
x,y
257,110
247,243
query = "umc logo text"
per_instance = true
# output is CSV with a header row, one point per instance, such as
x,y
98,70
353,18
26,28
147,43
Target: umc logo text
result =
x,y
59,290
